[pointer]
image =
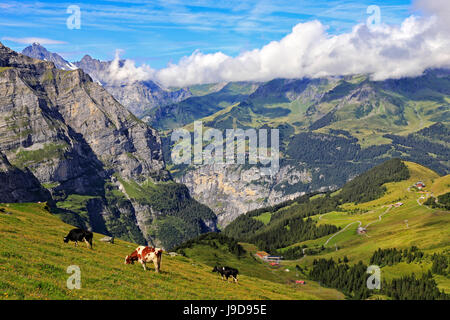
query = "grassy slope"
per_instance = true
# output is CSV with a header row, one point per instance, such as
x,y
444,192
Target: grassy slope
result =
x,y
250,265
427,228
34,259
440,185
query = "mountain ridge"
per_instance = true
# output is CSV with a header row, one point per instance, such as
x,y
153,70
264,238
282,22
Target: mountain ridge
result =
x,y
37,51
137,96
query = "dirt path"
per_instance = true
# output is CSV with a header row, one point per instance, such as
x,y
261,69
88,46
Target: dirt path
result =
x,y
320,217
360,223
342,231
365,227
379,217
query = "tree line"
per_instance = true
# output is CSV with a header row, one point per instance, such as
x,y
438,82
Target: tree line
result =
x,y
391,256
287,225
212,239
442,202
352,281
369,185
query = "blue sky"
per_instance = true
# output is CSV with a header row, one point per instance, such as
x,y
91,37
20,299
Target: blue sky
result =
x,y
161,32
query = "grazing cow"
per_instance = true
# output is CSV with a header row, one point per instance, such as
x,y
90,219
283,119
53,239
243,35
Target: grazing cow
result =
x,y
80,235
227,272
145,254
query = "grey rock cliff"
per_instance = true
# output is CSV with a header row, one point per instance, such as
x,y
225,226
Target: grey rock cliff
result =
x,y
19,185
232,190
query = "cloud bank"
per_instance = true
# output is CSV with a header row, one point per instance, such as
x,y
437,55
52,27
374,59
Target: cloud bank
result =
x,y
43,41
309,51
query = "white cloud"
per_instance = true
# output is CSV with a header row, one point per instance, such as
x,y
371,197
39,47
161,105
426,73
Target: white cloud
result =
x,y
127,71
43,41
309,51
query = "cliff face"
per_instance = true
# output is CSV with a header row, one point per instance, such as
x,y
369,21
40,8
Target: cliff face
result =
x,y
19,185
48,112
79,142
136,96
231,190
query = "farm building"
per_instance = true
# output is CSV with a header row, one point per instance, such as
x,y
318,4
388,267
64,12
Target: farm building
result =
x,y
272,259
261,254
361,230
398,204
300,281
419,185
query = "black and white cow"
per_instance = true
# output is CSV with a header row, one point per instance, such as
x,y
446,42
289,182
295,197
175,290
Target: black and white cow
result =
x,y
227,272
80,235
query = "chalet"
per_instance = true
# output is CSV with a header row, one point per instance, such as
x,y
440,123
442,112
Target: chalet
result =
x,y
398,204
272,259
361,230
419,185
262,254
300,281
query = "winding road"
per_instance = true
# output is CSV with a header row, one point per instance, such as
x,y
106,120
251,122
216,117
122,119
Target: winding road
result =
x,y
360,223
379,217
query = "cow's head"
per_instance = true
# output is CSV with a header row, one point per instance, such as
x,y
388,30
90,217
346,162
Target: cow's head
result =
x,y
66,239
216,269
159,252
128,260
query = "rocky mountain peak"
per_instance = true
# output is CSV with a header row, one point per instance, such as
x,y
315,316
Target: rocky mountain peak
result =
x,y
137,96
37,51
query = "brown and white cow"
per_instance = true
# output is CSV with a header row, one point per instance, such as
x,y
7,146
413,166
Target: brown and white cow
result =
x,y
145,254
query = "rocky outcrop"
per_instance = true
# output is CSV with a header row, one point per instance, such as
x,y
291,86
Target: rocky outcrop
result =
x,y
232,190
19,185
